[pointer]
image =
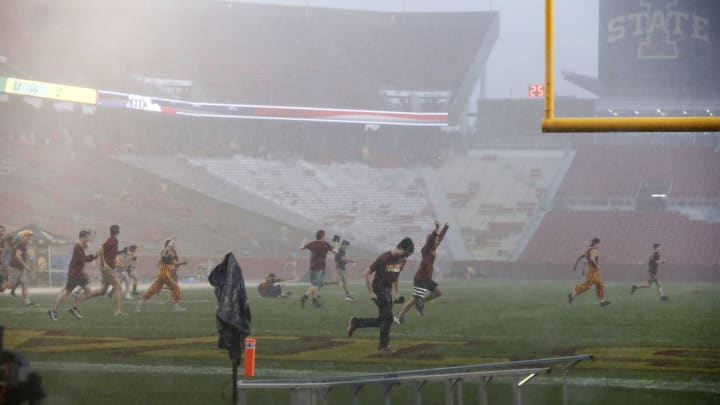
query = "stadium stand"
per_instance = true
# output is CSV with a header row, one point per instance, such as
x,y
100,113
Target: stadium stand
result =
x,y
618,171
371,206
626,237
64,189
496,193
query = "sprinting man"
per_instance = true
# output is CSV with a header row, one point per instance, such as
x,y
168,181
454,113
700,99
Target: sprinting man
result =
x,y
385,273
319,249
20,266
108,253
592,274
653,265
425,289
3,267
340,267
124,266
168,264
77,277
271,287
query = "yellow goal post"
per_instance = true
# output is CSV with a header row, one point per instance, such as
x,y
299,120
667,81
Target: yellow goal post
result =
x,y
550,123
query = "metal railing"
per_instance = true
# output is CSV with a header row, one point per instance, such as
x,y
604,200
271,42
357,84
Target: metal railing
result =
x,y
315,391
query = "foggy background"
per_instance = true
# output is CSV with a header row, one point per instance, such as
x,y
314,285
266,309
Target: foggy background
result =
x,y
260,185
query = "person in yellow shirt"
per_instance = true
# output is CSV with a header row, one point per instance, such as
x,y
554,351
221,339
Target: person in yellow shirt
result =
x,y
592,274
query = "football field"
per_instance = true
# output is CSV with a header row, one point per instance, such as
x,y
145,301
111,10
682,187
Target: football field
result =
x,y
645,351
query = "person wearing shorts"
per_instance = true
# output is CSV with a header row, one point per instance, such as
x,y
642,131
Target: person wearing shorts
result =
x,y
425,289
20,266
340,267
77,277
653,266
319,249
124,266
107,254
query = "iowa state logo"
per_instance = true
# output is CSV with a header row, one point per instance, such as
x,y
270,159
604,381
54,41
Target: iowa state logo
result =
x,y
657,27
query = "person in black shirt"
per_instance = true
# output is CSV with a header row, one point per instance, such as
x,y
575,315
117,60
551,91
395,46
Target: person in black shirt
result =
x,y
340,262
653,265
385,273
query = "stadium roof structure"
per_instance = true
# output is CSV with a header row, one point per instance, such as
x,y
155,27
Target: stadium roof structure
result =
x,y
255,53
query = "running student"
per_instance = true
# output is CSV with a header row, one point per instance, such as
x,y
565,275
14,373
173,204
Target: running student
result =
x,y
124,266
20,266
653,264
340,262
425,289
167,265
4,245
77,277
319,249
107,254
592,274
385,272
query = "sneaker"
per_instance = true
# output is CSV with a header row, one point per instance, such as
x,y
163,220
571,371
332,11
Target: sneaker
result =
x,y
316,304
604,303
75,312
349,298
351,327
633,289
138,307
120,314
570,298
128,297
52,314
399,320
386,350
664,298
303,300
419,307
179,308
29,304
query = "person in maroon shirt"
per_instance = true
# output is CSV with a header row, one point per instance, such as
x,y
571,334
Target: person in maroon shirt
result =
x,y
319,249
77,277
386,273
423,284
107,254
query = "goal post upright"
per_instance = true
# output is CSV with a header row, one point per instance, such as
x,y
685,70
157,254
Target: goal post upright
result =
x,y
550,123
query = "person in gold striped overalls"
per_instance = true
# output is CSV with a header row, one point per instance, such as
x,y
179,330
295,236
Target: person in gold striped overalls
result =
x,y
592,274
168,263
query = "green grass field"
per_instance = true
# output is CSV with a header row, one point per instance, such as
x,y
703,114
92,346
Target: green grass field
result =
x,y
646,352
